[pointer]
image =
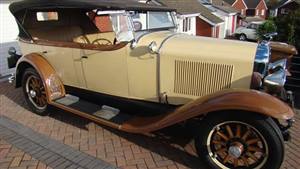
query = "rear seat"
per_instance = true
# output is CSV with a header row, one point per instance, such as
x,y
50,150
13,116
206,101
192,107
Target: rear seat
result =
x,y
61,33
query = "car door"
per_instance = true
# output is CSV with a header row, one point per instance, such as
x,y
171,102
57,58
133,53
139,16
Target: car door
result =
x,y
106,71
104,57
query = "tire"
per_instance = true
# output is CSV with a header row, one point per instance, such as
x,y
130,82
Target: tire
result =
x,y
242,37
34,92
214,149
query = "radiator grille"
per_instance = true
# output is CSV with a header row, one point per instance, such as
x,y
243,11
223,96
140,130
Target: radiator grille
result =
x,y
200,78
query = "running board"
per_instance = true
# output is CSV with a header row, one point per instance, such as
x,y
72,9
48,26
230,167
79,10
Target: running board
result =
x,y
100,113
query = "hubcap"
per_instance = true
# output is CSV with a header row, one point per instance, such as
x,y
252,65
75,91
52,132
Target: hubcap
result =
x,y
236,150
237,145
32,93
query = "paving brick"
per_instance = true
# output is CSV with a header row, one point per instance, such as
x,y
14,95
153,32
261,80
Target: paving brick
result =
x,y
127,151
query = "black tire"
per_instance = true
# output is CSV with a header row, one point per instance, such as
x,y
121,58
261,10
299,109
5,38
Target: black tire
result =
x,y
242,37
266,128
38,109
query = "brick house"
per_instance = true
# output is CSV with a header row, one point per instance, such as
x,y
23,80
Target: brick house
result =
x,y
284,7
205,23
250,8
227,13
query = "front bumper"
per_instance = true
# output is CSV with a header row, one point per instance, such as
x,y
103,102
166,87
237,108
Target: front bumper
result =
x,y
285,129
12,78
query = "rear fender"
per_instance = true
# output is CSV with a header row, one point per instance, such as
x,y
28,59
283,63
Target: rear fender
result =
x,y
53,84
237,100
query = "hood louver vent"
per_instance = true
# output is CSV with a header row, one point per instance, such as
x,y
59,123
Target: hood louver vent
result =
x,y
200,78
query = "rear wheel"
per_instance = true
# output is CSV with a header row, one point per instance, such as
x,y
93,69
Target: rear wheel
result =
x,y
248,141
34,92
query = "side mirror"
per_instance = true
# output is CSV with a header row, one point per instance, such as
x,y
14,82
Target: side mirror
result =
x,y
12,51
137,25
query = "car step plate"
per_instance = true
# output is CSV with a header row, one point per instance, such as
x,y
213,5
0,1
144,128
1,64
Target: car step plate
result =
x,y
104,112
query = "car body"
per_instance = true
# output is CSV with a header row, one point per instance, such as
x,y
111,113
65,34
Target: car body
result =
x,y
248,32
122,64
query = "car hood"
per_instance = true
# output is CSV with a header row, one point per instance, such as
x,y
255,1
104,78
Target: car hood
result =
x,y
181,56
239,29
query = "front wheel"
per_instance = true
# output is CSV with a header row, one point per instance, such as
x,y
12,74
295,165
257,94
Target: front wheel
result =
x,y
242,37
245,140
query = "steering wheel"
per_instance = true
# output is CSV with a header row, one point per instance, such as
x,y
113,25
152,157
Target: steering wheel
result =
x,y
101,41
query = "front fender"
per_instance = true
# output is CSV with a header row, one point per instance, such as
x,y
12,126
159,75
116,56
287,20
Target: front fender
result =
x,y
236,100
53,84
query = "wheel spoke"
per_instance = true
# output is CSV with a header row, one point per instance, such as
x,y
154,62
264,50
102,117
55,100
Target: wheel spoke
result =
x,y
252,156
226,159
236,162
223,136
255,149
221,150
245,136
252,141
245,161
31,85
218,142
228,128
238,131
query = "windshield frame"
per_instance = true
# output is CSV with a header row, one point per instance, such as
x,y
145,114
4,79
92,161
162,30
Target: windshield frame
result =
x,y
173,17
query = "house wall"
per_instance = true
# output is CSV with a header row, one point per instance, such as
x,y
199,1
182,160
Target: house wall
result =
x,y
261,9
203,28
192,30
239,5
8,34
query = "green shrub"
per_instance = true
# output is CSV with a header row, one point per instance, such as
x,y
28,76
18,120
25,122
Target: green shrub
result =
x,y
267,27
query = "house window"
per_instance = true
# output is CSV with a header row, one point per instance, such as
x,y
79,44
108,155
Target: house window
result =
x,y
257,12
284,11
186,24
262,12
242,11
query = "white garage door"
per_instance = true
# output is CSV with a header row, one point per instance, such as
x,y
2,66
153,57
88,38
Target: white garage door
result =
x,y
8,35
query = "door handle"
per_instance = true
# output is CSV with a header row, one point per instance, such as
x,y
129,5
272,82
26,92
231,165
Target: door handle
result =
x,y
44,52
84,57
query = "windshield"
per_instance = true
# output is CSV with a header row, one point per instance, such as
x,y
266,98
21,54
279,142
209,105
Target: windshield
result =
x,y
152,20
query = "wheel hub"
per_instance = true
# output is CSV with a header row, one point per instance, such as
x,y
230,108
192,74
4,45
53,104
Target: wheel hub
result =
x,y
236,150
32,93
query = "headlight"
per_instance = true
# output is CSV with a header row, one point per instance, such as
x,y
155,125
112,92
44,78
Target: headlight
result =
x,y
277,78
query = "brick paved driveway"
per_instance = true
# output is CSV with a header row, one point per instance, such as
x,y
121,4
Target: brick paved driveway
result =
x,y
13,158
120,149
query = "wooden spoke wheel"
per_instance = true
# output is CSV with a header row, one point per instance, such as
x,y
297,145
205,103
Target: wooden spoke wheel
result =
x,y
240,140
236,144
34,91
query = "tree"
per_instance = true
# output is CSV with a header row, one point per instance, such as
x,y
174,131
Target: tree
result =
x,y
266,27
288,28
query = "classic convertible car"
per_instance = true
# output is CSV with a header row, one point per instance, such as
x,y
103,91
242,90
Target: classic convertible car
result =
x,y
122,64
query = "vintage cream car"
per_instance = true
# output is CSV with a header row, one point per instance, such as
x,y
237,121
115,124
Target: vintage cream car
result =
x,y
122,64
